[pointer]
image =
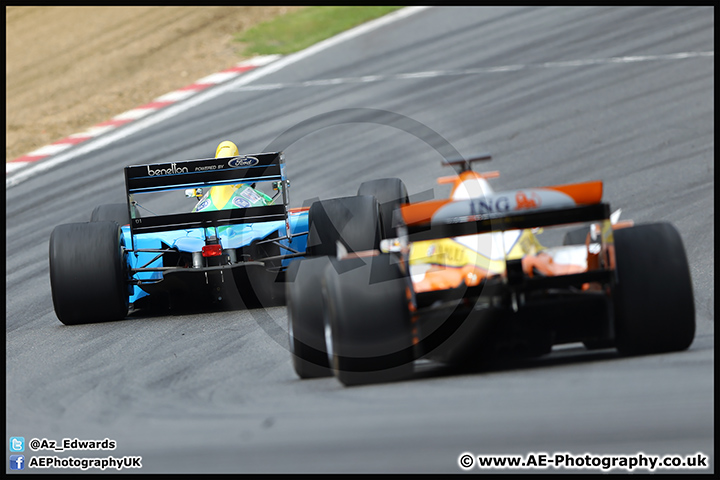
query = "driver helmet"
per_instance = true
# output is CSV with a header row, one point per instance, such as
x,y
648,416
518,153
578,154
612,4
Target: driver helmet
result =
x,y
225,149
239,195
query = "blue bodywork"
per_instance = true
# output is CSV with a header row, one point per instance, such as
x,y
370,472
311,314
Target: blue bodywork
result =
x,y
192,240
177,252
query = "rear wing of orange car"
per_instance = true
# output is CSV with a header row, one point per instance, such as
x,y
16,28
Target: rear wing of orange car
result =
x,y
510,210
189,174
462,164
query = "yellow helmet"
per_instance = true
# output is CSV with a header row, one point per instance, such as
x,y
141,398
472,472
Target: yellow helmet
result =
x,y
226,149
220,195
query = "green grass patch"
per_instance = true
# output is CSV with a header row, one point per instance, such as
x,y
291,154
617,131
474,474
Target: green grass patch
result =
x,y
298,30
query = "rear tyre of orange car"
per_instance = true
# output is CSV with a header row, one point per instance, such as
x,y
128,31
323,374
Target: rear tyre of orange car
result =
x,y
390,194
654,305
88,273
111,212
367,320
306,332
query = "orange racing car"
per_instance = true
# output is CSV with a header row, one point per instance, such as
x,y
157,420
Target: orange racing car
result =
x,y
464,279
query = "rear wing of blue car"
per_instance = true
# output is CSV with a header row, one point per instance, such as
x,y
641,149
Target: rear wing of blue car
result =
x,y
205,173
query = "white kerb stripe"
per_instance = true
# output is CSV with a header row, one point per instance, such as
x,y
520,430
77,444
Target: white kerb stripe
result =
x,y
217,77
134,114
176,96
93,131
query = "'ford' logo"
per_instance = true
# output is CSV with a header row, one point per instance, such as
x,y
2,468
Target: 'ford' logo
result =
x,y
243,162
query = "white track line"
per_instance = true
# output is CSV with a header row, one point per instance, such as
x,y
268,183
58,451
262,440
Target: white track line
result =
x,y
476,71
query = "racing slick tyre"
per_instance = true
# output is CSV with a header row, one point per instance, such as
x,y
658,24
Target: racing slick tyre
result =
x,y
353,221
367,320
112,212
306,331
88,273
258,287
654,306
390,194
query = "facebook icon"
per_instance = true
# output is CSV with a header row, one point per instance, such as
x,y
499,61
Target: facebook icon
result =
x,y
17,462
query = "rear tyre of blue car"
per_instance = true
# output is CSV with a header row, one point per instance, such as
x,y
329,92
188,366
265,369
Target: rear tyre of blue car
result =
x,y
111,212
259,287
367,320
306,330
88,273
654,305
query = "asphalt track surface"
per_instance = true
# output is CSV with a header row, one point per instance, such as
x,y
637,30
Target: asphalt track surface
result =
x,y
557,95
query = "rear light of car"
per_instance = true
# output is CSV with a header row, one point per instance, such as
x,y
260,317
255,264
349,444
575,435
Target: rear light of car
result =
x,y
212,250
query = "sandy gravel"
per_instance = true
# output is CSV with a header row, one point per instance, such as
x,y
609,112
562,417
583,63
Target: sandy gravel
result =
x,y
69,68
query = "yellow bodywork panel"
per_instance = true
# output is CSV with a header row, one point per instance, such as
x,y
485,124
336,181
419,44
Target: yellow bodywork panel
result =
x,y
447,262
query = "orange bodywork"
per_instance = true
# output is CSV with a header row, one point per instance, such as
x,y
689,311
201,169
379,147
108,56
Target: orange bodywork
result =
x,y
585,193
545,264
444,276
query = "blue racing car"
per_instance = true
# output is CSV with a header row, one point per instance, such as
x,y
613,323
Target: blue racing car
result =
x,y
230,250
